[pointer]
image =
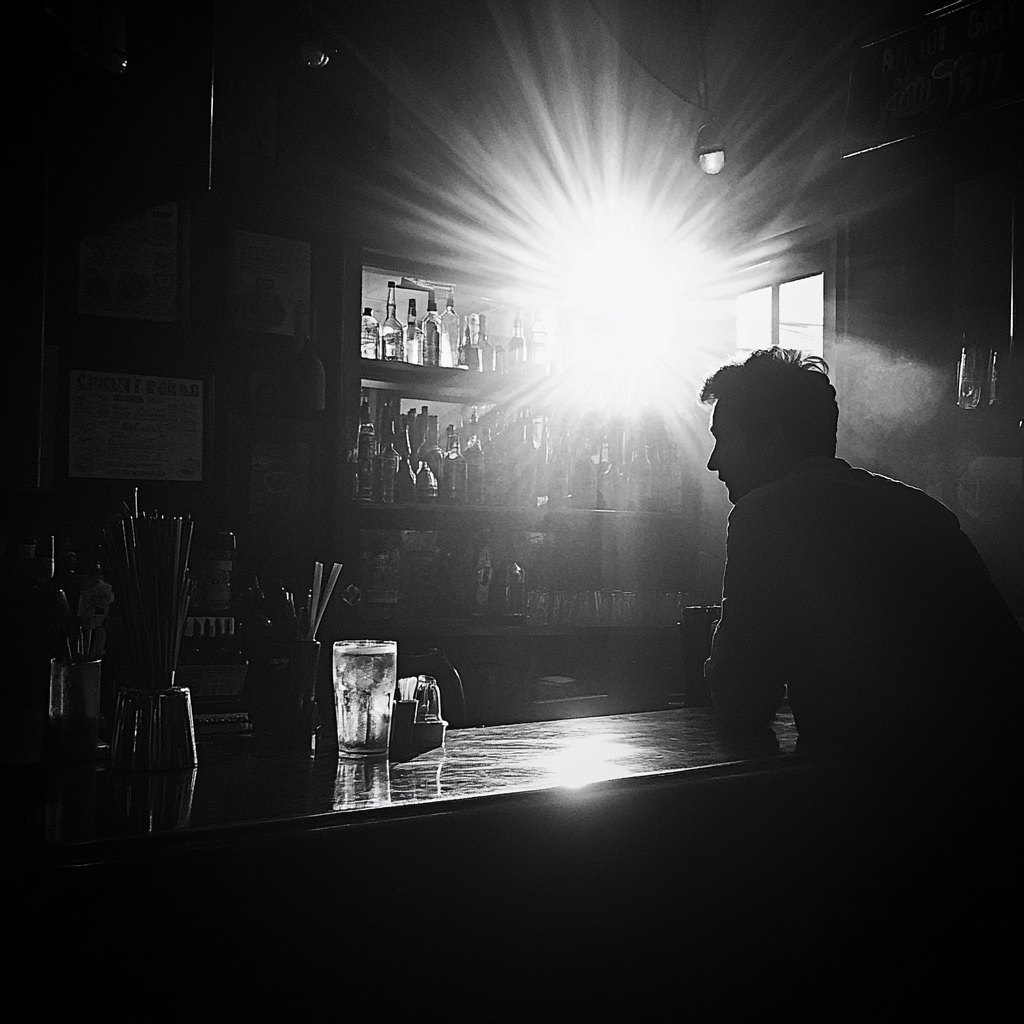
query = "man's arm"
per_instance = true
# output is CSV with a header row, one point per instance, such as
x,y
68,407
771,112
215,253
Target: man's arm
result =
x,y
746,670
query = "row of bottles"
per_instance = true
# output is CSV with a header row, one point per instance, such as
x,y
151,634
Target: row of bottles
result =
x,y
450,340
517,460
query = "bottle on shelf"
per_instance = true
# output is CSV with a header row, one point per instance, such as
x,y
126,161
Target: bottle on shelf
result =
x,y
517,347
474,353
455,470
486,348
426,484
391,334
605,486
388,460
474,464
483,577
366,448
583,474
557,474
430,454
405,481
641,478
495,477
618,486
431,334
413,337
369,344
450,334
524,462
539,354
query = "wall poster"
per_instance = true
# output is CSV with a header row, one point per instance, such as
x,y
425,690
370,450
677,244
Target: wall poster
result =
x,y
270,280
126,426
132,268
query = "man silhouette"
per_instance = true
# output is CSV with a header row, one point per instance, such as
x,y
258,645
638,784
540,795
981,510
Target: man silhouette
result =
x,y
861,599
856,595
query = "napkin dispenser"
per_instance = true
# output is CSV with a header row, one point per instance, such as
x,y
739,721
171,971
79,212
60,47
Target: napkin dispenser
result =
x,y
416,722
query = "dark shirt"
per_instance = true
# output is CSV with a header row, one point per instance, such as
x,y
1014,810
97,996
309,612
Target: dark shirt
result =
x,y
862,598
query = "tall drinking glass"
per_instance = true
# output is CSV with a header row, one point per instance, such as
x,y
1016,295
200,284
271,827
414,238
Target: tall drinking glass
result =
x,y
364,688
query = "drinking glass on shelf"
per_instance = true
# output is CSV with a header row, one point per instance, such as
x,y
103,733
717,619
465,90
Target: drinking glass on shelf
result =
x,y
537,607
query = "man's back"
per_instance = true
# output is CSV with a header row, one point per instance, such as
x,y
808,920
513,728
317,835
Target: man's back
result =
x,y
865,598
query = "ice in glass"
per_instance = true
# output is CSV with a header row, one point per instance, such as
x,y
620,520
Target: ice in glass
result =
x,y
364,687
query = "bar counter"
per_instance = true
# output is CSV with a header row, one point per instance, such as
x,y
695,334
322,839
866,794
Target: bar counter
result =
x,y
241,788
587,863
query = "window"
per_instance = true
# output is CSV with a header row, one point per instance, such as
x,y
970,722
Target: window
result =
x,y
790,314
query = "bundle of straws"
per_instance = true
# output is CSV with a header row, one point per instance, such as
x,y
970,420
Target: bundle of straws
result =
x,y
149,565
318,601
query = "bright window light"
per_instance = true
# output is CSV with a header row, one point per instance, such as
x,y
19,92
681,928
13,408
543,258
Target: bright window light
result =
x,y
754,321
802,314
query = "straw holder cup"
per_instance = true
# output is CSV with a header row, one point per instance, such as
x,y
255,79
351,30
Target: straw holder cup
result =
x,y
153,730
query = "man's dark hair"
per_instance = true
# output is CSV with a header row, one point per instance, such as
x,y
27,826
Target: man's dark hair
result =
x,y
783,386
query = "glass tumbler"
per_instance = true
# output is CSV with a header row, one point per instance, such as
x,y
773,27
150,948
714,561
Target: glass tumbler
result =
x,y
364,688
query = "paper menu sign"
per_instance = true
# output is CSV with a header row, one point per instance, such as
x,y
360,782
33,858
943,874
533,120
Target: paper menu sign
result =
x,y
135,427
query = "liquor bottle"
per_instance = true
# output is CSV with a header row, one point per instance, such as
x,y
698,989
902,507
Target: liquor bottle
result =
x,y
524,462
455,470
405,481
482,590
450,335
366,448
605,497
539,341
486,348
369,345
543,458
426,484
474,464
430,454
431,333
474,351
558,473
583,474
413,350
391,336
388,460
517,347
641,478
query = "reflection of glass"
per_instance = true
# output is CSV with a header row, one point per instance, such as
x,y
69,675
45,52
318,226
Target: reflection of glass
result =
x,y
364,686
360,784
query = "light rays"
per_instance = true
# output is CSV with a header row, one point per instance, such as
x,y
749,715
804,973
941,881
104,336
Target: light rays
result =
x,y
563,181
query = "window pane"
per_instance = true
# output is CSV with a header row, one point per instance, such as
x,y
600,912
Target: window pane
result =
x,y
754,320
802,314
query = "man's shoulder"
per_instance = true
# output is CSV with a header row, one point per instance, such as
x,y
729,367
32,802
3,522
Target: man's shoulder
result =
x,y
832,485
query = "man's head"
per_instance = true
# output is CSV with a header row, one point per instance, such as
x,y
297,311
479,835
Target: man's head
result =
x,y
770,412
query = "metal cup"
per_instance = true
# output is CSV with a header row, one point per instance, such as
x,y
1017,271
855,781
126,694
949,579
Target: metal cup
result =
x,y
153,730
73,723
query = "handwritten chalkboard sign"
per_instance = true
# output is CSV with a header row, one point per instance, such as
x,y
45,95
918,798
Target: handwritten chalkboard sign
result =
x,y
954,65
126,426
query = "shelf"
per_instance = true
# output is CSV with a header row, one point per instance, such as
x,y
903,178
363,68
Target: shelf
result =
x,y
446,384
399,515
419,629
